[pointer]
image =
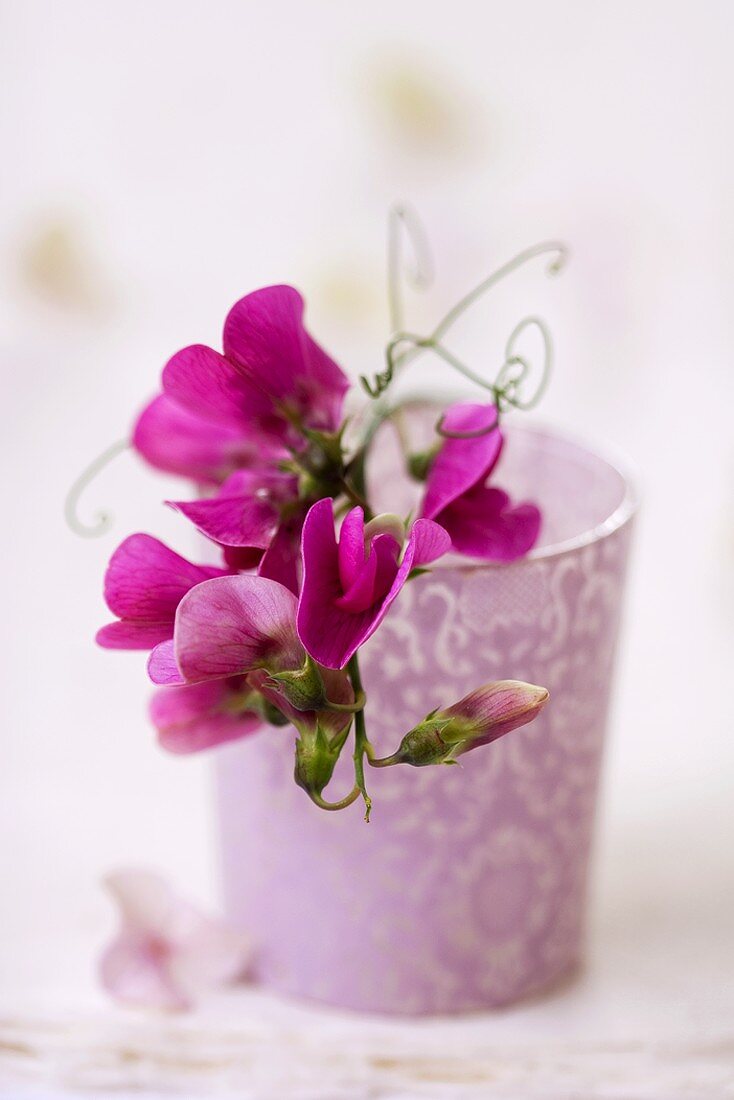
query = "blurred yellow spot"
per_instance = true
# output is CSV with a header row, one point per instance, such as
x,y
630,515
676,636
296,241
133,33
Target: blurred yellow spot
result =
x,y
54,264
421,108
346,292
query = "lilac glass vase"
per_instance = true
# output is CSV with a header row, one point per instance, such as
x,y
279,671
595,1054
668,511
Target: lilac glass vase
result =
x,y
467,889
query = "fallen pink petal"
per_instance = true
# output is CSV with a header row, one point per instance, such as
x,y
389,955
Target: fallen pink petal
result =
x,y
167,954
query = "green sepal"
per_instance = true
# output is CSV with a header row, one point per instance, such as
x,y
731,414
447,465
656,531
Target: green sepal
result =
x,y
315,760
330,444
425,744
417,572
302,687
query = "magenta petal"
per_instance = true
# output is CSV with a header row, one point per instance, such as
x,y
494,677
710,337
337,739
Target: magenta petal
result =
x,y
173,439
376,575
231,521
281,560
230,625
462,463
201,716
145,580
264,334
427,542
352,555
162,666
242,558
483,524
430,542
427,539
126,634
208,384
330,632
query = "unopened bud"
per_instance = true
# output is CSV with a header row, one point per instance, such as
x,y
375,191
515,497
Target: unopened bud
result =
x,y
315,761
481,717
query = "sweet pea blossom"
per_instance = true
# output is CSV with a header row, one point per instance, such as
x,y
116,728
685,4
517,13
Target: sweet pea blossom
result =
x,y
349,585
271,380
482,716
166,952
257,519
193,717
480,519
144,584
230,626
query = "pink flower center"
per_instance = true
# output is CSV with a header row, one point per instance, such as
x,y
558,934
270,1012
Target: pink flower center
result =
x,y
366,572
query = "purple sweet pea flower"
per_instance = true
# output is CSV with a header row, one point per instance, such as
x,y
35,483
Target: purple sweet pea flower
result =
x,y
193,717
229,626
481,521
256,518
143,585
176,440
348,586
271,374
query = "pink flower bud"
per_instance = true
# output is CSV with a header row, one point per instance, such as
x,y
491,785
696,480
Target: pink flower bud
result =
x,y
481,717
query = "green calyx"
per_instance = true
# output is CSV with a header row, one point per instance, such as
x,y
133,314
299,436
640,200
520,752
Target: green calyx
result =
x,y
326,450
315,760
321,465
303,687
435,740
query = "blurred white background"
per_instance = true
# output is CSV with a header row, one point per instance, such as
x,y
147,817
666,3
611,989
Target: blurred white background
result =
x,y
162,159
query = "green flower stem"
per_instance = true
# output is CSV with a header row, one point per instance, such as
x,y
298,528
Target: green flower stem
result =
x,y
361,743
382,761
340,805
399,355
86,477
349,708
356,499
